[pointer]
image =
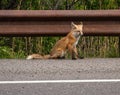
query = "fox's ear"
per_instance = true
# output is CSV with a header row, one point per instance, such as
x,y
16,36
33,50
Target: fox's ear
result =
x,y
73,25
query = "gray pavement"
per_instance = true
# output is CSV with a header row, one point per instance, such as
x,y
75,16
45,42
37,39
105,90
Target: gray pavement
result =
x,y
20,70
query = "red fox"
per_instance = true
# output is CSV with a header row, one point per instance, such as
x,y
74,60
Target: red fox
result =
x,y
67,43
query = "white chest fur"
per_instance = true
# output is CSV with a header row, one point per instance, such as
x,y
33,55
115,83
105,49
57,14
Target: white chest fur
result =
x,y
76,41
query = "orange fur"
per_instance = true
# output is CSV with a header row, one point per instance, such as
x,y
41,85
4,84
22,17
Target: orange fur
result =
x,y
67,43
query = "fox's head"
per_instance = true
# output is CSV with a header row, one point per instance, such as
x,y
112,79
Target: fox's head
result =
x,y
77,30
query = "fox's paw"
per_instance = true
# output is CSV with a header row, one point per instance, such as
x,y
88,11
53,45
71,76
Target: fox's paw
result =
x,y
74,58
81,57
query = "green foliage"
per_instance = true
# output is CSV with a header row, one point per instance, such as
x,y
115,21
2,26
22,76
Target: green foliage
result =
x,y
20,47
5,52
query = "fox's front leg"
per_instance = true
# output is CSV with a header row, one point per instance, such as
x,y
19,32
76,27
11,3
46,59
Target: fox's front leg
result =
x,y
74,53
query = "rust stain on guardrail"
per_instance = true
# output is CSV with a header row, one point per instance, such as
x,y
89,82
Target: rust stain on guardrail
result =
x,y
57,22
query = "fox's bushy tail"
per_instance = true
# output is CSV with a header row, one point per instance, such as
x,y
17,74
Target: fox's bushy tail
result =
x,y
38,56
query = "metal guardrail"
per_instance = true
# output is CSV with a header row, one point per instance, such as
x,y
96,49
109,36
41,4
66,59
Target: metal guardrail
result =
x,y
57,22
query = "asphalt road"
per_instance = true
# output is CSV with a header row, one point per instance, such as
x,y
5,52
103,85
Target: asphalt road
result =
x,y
31,70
